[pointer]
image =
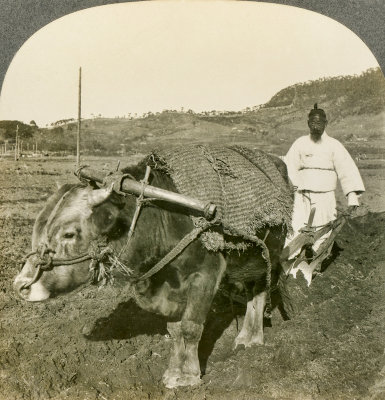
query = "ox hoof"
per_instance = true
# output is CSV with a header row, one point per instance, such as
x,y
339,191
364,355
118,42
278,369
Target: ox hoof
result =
x,y
175,380
170,377
248,341
257,340
241,341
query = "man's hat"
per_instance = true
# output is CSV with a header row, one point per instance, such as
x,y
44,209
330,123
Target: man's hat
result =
x,y
318,111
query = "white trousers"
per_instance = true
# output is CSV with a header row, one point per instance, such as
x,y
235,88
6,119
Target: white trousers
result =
x,y
304,201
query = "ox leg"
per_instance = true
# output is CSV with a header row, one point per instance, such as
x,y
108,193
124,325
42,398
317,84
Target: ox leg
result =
x,y
202,288
174,370
184,368
191,372
252,328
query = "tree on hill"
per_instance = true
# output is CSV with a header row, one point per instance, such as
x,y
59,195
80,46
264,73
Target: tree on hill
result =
x,y
62,121
8,129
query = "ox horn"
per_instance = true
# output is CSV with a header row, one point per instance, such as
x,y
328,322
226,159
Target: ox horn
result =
x,y
98,196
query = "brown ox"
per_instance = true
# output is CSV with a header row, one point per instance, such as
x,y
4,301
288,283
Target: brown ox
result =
x,y
77,215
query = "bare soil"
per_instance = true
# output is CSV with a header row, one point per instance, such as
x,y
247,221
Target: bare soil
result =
x,y
97,344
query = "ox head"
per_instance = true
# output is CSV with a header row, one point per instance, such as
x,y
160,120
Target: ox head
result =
x,y
73,217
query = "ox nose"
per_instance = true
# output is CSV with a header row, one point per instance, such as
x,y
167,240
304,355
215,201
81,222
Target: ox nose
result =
x,y
20,288
34,292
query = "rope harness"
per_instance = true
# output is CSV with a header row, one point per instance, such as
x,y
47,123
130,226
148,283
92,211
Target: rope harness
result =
x,y
45,261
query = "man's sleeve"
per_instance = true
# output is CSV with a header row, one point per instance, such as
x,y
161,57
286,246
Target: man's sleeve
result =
x,y
347,171
292,160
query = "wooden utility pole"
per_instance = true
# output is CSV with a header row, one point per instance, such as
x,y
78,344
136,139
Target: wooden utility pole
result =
x,y
79,117
17,143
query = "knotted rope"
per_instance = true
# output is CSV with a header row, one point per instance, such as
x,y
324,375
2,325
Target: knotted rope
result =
x,y
140,200
45,261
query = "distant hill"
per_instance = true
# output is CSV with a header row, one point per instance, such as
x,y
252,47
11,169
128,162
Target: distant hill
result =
x,y
339,94
345,97
355,106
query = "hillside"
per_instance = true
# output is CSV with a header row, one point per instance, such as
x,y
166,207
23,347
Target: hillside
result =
x,y
340,92
355,106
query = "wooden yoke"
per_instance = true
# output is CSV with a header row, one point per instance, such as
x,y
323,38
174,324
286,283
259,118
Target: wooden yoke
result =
x,y
131,186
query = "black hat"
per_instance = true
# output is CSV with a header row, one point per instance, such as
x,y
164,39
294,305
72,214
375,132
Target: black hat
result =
x,y
318,111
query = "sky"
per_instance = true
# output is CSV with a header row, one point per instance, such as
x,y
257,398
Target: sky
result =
x,y
156,55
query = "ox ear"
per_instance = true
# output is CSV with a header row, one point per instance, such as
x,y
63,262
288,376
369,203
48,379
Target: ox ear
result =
x,y
98,196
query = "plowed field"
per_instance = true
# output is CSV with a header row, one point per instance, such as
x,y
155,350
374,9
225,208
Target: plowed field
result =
x,y
97,344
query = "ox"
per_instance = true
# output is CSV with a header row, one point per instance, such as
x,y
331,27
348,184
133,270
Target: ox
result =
x,y
79,214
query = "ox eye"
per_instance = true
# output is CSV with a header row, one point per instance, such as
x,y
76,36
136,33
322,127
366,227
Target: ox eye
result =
x,y
69,235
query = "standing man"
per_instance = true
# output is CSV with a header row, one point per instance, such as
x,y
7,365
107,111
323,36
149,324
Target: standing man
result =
x,y
314,162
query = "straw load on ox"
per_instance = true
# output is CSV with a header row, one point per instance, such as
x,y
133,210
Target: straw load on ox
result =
x,y
175,228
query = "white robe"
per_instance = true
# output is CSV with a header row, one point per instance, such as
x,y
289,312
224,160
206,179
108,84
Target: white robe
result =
x,y
313,168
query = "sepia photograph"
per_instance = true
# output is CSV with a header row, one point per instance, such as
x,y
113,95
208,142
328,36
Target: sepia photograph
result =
x,y
192,202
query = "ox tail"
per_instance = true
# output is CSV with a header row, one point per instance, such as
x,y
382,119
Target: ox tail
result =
x,y
285,304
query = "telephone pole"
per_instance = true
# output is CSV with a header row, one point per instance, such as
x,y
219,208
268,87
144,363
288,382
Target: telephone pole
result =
x,y
17,143
79,117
